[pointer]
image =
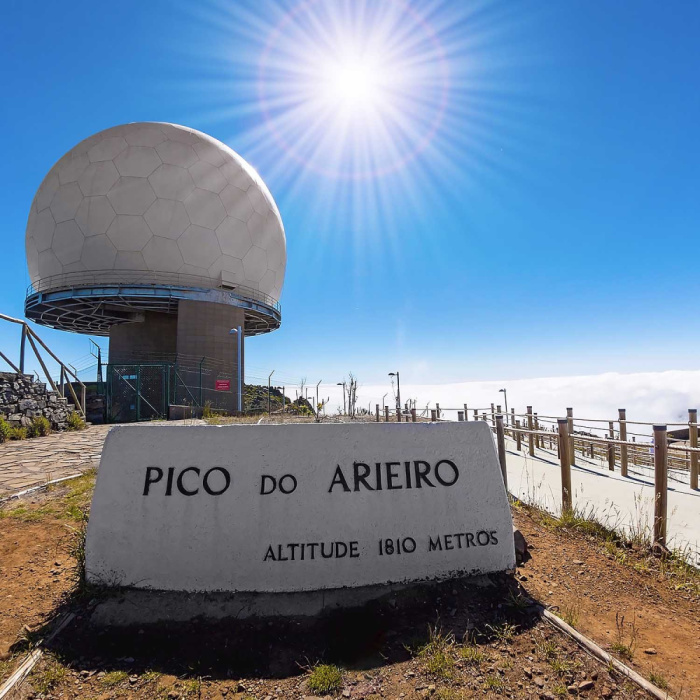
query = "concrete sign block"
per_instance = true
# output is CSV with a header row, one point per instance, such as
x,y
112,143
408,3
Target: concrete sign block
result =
x,y
304,507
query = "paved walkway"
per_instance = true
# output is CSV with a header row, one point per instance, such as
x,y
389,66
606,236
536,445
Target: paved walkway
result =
x,y
27,463
622,503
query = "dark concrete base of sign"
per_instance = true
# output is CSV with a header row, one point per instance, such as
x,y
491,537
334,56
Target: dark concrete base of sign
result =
x,y
127,607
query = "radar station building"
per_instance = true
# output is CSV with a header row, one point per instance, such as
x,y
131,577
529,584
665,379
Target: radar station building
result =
x,y
169,243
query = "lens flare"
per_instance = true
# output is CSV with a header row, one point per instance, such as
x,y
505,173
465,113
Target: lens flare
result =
x,y
353,90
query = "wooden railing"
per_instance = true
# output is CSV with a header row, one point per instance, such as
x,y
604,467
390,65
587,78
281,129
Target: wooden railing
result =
x,y
570,436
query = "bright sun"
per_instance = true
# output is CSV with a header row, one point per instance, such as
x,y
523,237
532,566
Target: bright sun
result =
x,y
353,89
352,84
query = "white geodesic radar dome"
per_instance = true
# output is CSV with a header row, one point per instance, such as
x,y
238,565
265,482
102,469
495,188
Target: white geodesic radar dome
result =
x,y
156,198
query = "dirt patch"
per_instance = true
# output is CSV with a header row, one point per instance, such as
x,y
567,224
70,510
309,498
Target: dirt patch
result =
x,y
448,641
624,600
37,564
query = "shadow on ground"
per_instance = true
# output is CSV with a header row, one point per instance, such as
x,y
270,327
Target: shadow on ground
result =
x,y
377,634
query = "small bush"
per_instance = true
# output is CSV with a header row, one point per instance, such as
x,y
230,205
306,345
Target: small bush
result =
x,y
113,678
437,654
46,679
18,433
658,680
4,430
75,422
206,410
325,679
40,427
473,655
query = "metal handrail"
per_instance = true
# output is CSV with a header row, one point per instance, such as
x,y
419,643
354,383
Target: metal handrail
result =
x,y
147,278
66,372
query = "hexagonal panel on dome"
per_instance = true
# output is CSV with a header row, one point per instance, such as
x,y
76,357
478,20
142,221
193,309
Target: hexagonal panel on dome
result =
x,y
106,149
168,218
137,161
255,264
175,153
94,215
131,195
98,253
236,202
171,182
144,135
98,178
46,191
43,227
234,238
199,246
49,264
66,202
129,260
207,177
129,233
205,208
68,242
162,254
72,168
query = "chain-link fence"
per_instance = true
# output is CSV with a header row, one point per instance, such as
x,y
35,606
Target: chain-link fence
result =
x,y
145,391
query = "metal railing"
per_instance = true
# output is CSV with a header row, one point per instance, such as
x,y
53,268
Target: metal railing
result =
x,y
145,278
29,335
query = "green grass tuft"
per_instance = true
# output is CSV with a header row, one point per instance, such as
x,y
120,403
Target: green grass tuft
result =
x,y
325,679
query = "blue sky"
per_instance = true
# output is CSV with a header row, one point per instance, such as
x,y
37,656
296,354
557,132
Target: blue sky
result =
x,y
548,228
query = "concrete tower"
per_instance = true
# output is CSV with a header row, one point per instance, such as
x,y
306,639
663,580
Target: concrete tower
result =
x,y
163,239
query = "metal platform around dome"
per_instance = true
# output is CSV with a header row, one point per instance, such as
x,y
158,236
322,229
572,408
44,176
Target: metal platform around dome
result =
x,y
92,302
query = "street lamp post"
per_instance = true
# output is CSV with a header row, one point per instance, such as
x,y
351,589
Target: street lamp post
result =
x,y
505,401
383,397
268,391
398,389
239,390
343,385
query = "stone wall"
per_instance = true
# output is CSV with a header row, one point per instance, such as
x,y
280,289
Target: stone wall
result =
x,y
23,398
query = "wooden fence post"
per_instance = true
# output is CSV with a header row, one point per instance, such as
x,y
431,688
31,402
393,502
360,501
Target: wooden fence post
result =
x,y
476,414
611,447
377,412
501,442
386,414
493,416
437,409
460,416
531,444
512,418
518,436
623,436
565,461
433,415
538,442
570,430
483,418
693,428
466,412
660,485
413,415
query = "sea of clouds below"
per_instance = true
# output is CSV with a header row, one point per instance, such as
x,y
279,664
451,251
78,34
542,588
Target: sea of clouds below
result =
x,y
660,397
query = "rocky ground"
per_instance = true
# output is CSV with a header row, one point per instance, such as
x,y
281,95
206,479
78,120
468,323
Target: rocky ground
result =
x,y
453,640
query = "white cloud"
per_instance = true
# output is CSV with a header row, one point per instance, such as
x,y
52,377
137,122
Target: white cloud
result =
x,y
663,397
